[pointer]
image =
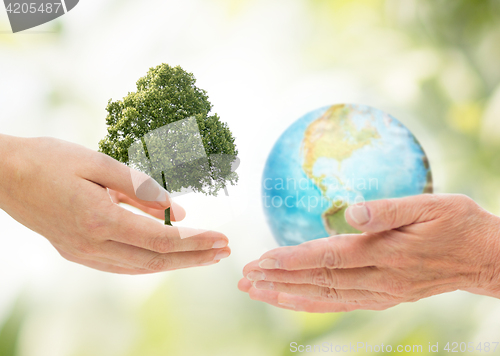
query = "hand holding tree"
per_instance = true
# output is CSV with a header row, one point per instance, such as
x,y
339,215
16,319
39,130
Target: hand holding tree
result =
x,y
60,190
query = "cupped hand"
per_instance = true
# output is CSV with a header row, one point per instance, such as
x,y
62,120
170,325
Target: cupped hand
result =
x,y
411,248
70,195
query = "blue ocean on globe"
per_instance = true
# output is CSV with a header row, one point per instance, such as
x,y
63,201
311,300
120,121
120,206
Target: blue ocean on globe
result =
x,y
335,157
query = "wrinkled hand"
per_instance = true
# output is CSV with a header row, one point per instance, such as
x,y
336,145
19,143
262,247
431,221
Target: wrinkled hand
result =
x,y
411,248
60,190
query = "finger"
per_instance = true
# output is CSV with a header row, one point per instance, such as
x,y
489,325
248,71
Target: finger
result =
x,y
244,285
308,305
110,173
268,297
177,213
101,260
341,251
105,267
146,233
299,303
108,265
366,278
118,198
198,265
152,261
325,293
388,214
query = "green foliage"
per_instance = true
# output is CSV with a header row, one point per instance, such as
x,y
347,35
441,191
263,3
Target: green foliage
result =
x,y
10,330
176,156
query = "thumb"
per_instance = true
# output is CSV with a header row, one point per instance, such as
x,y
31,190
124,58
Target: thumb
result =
x,y
388,214
136,185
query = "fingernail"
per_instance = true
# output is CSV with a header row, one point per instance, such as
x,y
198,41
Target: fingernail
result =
x,y
269,263
256,276
209,263
148,189
359,214
220,244
221,255
287,305
162,195
263,285
164,198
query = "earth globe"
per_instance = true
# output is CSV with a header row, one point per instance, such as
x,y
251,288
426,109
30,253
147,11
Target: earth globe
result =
x,y
335,157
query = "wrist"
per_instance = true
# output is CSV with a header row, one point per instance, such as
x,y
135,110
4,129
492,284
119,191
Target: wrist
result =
x,y
10,147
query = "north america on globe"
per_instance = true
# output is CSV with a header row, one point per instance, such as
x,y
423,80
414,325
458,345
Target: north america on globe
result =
x,y
335,157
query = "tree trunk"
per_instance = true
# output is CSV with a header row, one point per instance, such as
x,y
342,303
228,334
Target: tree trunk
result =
x,y
167,211
167,217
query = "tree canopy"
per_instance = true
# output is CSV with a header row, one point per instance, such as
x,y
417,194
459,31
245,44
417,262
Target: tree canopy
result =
x,y
166,129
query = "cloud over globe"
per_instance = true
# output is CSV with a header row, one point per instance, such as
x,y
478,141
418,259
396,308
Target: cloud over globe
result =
x,y
335,157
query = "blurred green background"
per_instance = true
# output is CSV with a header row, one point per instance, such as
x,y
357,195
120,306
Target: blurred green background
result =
x,y
433,64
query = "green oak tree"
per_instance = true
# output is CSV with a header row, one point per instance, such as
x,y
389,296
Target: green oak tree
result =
x,y
166,130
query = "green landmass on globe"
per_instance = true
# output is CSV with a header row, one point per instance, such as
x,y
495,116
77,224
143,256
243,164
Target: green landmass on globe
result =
x,y
334,135
347,154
